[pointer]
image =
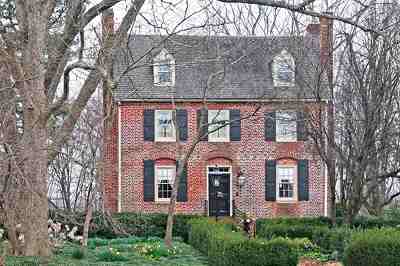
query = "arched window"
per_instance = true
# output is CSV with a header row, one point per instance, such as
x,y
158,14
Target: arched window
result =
x,y
164,69
283,70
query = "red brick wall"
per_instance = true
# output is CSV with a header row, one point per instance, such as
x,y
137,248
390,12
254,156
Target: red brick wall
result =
x,y
248,155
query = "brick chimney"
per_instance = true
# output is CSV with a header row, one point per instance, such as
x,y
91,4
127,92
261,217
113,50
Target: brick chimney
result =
x,y
107,22
326,46
322,34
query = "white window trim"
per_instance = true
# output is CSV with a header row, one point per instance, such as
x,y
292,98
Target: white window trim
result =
x,y
156,127
285,57
280,138
211,137
157,167
295,177
163,58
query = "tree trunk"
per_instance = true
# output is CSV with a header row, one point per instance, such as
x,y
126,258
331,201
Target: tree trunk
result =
x,y
86,225
171,207
34,204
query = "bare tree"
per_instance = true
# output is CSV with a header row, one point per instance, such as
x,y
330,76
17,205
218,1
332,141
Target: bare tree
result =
x,y
36,51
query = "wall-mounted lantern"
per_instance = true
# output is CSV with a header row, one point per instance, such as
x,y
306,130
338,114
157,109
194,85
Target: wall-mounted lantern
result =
x,y
241,179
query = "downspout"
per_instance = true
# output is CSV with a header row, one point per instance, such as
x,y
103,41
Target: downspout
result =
x,y
326,170
119,158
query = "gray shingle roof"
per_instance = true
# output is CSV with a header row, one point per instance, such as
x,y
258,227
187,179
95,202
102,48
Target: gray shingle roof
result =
x,y
243,64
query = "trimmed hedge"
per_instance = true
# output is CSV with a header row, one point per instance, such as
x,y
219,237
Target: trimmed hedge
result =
x,y
291,227
225,247
332,240
374,247
136,224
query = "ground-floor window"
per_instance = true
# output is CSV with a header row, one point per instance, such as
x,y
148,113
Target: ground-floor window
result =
x,y
165,176
286,180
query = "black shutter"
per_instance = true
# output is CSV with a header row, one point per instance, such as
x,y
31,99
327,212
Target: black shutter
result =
x,y
270,180
302,172
148,181
202,119
234,131
182,121
301,127
182,186
270,126
148,125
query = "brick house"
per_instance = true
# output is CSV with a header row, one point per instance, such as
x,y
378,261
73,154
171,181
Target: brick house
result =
x,y
262,162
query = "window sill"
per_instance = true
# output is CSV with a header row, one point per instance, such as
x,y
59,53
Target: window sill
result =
x,y
169,84
286,201
286,140
163,202
218,140
164,140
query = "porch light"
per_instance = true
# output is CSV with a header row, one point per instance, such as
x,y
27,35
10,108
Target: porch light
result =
x,y
241,179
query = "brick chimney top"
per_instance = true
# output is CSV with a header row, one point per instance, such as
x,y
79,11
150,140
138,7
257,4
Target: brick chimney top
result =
x,y
313,28
107,22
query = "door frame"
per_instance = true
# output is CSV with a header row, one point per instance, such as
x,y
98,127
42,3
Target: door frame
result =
x,y
230,187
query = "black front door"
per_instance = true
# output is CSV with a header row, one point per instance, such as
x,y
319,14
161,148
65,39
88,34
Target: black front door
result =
x,y
219,191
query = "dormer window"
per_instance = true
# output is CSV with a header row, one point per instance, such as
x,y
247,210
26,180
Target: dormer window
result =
x,y
164,69
283,70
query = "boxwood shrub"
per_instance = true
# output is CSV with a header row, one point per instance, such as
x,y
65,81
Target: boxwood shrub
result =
x,y
332,240
225,247
136,224
290,227
374,247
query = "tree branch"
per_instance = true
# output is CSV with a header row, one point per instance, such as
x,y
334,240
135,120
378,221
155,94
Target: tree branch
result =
x,y
300,8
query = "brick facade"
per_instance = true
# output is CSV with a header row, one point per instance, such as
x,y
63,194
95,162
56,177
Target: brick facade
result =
x,y
247,156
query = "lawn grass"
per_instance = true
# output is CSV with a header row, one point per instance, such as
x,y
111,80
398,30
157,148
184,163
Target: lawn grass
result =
x,y
98,251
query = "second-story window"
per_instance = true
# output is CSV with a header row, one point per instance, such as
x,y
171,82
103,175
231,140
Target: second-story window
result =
x,y
164,126
286,126
218,125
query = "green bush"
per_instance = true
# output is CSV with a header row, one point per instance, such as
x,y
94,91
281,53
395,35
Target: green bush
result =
x,y
310,221
110,255
227,248
290,227
137,224
148,225
78,253
371,222
154,250
332,240
374,247
270,230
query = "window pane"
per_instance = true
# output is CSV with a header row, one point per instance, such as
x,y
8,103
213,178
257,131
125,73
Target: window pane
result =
x,y
215,116
285,73
286,177
165,180
164,73
164,125
286,128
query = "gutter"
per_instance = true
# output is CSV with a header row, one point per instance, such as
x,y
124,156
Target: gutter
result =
x,y
238,100
119,158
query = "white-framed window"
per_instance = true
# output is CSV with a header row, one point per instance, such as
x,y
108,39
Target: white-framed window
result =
x,y
164,69
286,126
164,126
283,70
165,176
286,176
218,132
